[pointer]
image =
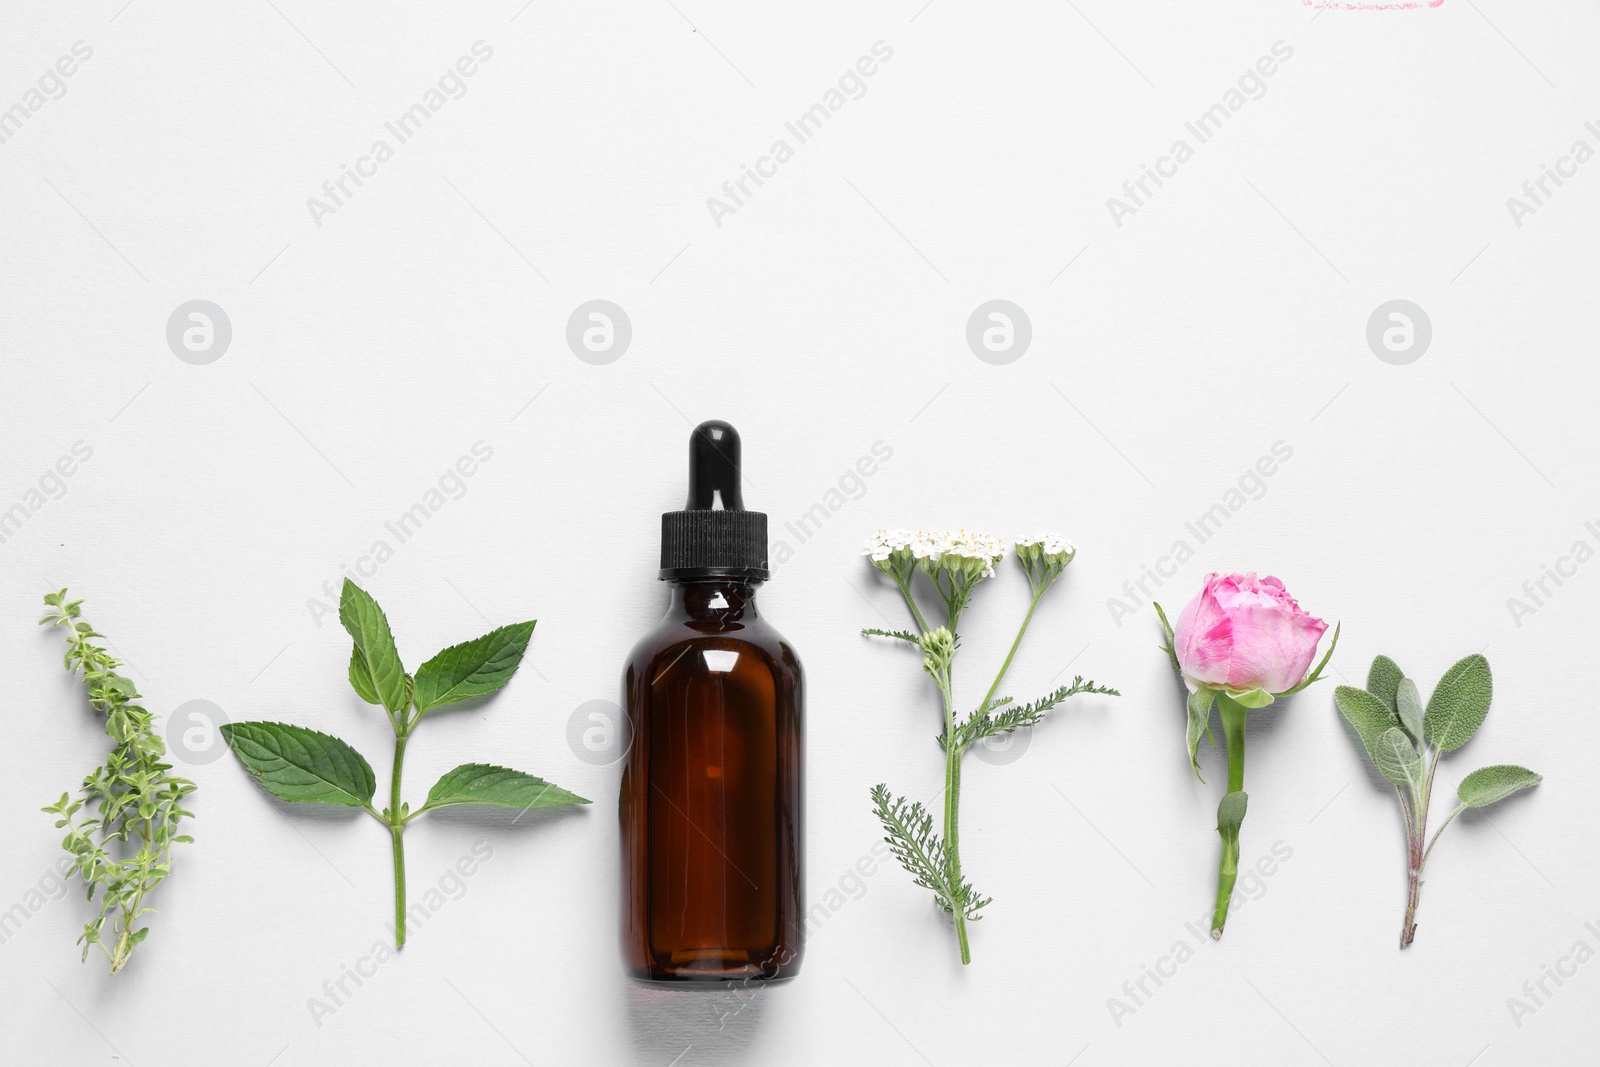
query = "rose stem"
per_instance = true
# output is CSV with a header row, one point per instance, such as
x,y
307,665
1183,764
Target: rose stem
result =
x,y
1233,717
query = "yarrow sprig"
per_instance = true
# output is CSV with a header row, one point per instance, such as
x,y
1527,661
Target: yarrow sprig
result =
x,y
955,563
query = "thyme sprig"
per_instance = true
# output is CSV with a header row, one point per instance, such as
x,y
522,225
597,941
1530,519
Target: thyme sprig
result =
x,y
130,805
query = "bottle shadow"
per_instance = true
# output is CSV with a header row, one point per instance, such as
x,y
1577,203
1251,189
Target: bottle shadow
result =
x,y
668,1023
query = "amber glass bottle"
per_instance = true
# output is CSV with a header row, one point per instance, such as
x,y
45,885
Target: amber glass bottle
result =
x,y
712,804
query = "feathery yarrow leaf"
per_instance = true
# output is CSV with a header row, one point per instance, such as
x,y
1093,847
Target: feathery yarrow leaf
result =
x,y
908,830
998,718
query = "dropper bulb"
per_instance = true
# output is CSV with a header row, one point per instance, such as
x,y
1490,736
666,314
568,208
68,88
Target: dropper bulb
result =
x,y
714,474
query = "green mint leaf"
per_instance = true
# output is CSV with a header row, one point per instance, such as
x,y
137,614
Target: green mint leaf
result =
x,y
1398,761
1408,708
1488,785
369,628
296,764
1200,702
498,787
472,669
1383,680
1367,713
1459,703
361,678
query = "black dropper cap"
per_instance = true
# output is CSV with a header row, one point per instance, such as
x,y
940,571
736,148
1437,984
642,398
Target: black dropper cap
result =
x,y
714,536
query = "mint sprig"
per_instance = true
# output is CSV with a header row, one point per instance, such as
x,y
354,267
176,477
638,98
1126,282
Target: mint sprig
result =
x,y
302,765
1404,739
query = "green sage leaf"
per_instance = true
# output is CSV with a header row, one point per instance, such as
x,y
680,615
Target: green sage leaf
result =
x,y
1398,761
297,764
369,628
1383,680
499,787
1200,702
1408,708
1488,785
1459,703
1367,713
472,669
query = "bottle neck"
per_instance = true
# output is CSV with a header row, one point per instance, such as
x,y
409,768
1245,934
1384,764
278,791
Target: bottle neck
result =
x,y
719,600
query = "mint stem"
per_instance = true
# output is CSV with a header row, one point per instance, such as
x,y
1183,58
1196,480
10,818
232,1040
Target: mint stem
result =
x,y
1233,721
396,828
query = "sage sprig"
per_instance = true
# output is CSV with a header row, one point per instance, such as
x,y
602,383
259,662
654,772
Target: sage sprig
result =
x,y
1405,739
953,564
301,765
122,845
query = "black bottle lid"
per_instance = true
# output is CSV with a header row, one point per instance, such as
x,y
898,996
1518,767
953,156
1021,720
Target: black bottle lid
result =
x,y
714,536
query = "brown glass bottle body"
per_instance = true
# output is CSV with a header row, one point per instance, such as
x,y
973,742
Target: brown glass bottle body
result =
x,y
713,805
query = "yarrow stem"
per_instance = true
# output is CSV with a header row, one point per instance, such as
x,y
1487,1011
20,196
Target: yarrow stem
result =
x,y
954,564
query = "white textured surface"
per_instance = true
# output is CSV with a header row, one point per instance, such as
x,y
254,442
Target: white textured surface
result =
x,y
825,315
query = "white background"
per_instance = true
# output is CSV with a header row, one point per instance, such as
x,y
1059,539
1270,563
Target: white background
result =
x,y
826,314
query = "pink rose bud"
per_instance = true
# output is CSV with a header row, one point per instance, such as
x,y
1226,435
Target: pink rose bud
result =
x,y
1242,633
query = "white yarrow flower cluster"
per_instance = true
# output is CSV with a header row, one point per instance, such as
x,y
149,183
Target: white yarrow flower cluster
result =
x,y
959,549
1044,558
1048,544
882,545
985,550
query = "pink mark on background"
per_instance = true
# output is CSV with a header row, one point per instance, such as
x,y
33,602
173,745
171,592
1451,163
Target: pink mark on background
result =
x,y
1399,5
